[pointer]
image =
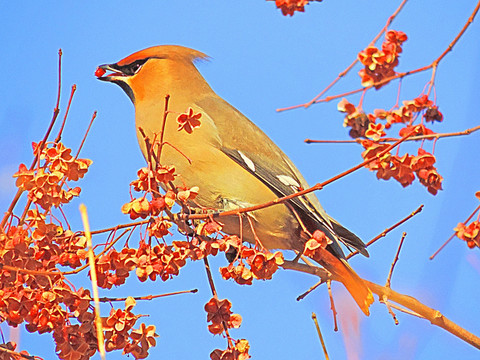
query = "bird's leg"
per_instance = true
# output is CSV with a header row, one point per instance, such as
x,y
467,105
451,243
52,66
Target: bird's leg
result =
x,y
197,209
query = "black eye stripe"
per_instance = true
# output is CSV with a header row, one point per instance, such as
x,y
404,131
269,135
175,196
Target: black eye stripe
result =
x,y
132,68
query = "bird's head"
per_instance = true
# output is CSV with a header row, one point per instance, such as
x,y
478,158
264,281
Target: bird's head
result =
x,y
152,70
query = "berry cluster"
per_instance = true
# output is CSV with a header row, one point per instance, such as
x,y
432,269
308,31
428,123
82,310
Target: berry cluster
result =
x,y
469,233
7,352
149,262
219,313
380,63
120,335
401,168
220,316
366,126
289,7
239,351
262,265
45,183
33,290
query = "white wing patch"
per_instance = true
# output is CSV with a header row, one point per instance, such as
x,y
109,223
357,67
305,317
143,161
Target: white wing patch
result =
x,y
289,181
247,161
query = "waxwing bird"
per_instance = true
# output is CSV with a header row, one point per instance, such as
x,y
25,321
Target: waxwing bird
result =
x,y
229,158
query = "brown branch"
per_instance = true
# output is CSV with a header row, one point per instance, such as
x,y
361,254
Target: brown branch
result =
x,y
31,272
93,276
60,53
214,293
86,133
381,82
283,199
390,310
434,316
386,231
453,235
332,305
59,136
324,347
210,277
118,227
350,67
164,122
412,138
148,297
302,296
16,355
77,270
459,35
394,262
409,302
402,309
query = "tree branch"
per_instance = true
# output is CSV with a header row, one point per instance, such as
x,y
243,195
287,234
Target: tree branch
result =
x,y
409,302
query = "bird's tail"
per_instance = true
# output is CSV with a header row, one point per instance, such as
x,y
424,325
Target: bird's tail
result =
x,y
342,272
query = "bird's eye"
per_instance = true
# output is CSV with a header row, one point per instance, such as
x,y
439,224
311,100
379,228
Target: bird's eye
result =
x,y
136,67
133,68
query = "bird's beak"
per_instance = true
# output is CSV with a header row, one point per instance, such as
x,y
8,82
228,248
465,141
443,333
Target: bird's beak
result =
x,y
102,72
113,73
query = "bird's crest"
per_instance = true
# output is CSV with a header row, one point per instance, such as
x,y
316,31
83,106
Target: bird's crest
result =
x,y
165,52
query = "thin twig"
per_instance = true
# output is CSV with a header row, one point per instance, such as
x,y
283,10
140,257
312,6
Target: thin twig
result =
x,y
16,355
164,122
77,270
324,348
442,246
350,67
31,272
409,302
386,231
412,138
86,133
302,296
434,64
390,310
389,278
59,136
318,186
118,227
453,235
214,293
210,277
148,297
93,275
406,311
332,305
258,243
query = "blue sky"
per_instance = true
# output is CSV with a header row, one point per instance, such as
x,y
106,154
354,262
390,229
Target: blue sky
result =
x,y
262,61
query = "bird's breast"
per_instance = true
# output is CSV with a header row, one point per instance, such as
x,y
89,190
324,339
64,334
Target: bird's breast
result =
x,y
223,184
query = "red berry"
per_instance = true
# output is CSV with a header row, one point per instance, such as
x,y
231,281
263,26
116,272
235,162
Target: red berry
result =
x,y
99,72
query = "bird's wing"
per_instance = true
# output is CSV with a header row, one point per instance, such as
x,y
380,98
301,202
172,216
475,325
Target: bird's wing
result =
x,y
281,183
263,159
